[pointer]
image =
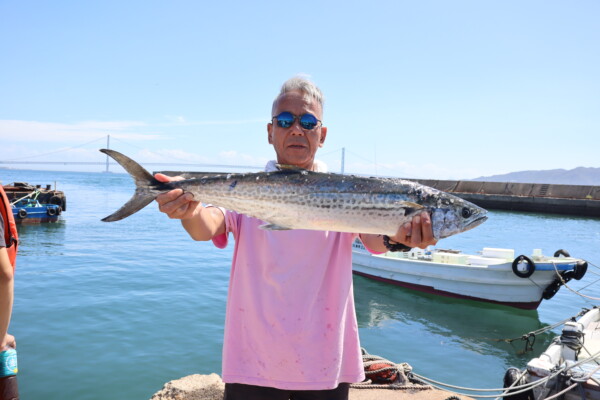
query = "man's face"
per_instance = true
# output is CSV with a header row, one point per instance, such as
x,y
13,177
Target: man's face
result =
x,y
295,145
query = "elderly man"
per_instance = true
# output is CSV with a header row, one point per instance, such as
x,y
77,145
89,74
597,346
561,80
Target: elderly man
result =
x,y
290,327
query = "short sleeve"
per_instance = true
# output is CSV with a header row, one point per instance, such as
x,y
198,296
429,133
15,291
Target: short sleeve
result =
x,y
221,241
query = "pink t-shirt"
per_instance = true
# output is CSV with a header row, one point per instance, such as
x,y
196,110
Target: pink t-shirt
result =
x,y
290,320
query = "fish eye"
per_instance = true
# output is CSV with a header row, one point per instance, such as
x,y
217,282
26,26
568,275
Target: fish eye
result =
x,y
466,213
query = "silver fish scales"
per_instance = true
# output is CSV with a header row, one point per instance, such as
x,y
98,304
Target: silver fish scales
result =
x,y
299,199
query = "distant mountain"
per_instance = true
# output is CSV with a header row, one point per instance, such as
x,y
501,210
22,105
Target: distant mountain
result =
x,y
577,176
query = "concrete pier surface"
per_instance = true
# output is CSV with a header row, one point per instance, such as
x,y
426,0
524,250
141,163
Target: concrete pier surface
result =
x,y
211,387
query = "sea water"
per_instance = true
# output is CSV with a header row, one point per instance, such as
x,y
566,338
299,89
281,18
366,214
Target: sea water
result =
x,y
115,310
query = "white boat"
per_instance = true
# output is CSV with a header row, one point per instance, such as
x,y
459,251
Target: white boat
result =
x,y
569,369
495,275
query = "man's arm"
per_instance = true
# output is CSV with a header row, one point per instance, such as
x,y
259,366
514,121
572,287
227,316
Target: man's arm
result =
x,y
201,223
417,233
6,298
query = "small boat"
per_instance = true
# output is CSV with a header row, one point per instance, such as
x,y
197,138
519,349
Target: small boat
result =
x,y
45,195
35,204
31,211
569,368
494,276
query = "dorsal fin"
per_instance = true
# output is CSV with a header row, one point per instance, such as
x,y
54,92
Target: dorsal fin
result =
x,y
289,167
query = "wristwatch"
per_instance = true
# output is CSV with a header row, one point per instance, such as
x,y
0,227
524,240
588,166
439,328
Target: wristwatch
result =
x,y
395,246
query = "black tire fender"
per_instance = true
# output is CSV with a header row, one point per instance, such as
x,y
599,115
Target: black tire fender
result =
x,y
59,201
55,200
22,213
511,377
561,252
552,289
580,269
51,211
530,266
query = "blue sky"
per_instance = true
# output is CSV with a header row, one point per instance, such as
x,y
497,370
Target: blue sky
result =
x,y
417,89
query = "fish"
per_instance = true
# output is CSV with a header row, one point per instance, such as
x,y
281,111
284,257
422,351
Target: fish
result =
x,y
294,198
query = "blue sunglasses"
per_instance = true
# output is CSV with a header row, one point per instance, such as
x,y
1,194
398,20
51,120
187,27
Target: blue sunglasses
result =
x,y
287,119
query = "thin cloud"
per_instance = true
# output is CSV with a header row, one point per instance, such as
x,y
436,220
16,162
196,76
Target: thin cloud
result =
x,y
28,131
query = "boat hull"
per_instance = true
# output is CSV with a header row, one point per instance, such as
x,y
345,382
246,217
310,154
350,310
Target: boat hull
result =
x,y
570,361
489,283
36,215
432,290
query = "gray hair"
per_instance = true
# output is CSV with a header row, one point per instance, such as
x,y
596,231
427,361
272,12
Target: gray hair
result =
x,y
304,85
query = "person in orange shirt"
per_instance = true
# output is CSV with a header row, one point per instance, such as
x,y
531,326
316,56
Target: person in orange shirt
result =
x,y
6,292
8,247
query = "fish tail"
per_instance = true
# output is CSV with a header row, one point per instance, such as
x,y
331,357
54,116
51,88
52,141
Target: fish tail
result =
x,y
144,182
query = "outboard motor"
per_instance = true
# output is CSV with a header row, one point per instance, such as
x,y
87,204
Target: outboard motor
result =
x,y
571,340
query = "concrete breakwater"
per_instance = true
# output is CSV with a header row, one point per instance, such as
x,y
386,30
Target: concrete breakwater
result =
x,y
579,200
531,197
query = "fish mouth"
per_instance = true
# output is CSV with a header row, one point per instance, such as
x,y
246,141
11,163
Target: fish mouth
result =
x,y
476,222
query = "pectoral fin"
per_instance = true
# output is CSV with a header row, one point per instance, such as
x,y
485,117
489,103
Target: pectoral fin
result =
x,y
273,227
410,207
288,167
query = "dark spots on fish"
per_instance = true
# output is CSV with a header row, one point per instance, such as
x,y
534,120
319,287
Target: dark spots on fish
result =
x,y
232,184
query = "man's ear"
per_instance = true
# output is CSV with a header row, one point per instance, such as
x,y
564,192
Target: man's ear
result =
x,y
323,136
270,132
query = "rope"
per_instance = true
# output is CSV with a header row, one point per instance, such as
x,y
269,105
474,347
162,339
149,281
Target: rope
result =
x,y
512,390
369,385
590,284
590,354
567,286
395,373
35,192
520,389
529,338
584,378
561,392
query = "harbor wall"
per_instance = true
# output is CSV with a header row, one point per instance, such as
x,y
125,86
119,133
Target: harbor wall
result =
x,y
579,200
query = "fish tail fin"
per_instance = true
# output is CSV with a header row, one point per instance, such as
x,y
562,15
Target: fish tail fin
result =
x,y
143,195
